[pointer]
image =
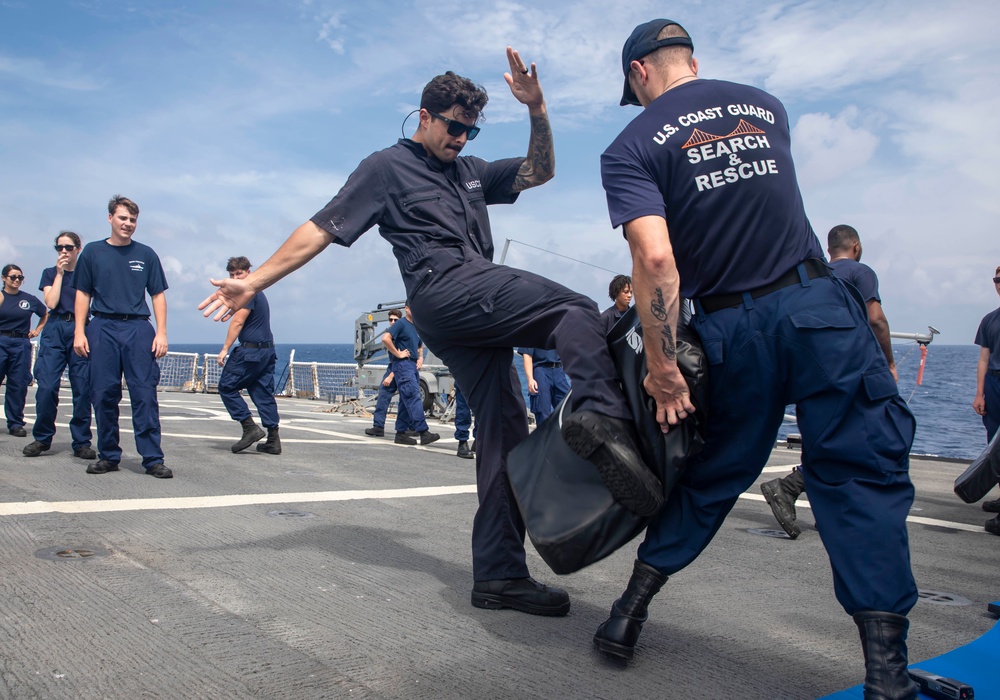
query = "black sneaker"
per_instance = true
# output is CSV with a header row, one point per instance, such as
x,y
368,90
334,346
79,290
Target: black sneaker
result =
x,y
404,439
524,594
427,437
18,431
160,471
375,432
609,444
85,452
35,448
102,466
992,506
463,450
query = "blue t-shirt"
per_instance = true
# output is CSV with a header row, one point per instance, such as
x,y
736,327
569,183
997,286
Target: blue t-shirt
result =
x,y
858,274
257,327
539,356
420,204
16,310
988,336
118,277
714,159
67,294
404,337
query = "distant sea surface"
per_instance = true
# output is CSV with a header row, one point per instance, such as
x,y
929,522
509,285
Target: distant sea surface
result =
x,y
942,404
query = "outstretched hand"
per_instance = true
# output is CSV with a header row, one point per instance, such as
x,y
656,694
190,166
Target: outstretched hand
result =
x,y
231,296
673,398
524,85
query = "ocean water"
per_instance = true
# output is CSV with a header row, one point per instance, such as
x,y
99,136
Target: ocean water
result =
x,y
942,404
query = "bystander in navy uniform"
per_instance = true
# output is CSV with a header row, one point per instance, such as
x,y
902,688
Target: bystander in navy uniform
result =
x,y
620,291
112,279
55,353
250,366
431,204
547,383
407,353
712,212
463,422
386,390
987,401
15,348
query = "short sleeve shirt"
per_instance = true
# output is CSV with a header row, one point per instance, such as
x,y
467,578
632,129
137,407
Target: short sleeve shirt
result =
x,y
404,337
257,327
117,278
420,203
16,310
858,274
714,159
539,356
988,336
67,293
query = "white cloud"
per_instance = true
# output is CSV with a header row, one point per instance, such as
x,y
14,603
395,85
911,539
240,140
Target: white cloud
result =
x,y
827,147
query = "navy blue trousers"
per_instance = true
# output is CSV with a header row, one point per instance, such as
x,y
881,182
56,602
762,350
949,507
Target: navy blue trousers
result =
x,y
385,394
411,408
120,348
809,345
15,368
463,416
251,369
991,392
472,313
55,352
553,385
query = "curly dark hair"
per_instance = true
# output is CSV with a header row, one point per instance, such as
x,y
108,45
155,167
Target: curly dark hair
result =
x,y
450,89
617,285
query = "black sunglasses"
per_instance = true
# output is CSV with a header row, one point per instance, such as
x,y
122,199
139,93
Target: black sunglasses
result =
x,y
15,278
457,128
996,280
67,248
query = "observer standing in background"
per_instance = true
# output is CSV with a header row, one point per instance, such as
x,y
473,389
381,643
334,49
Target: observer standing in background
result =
x,y
250,367
987,401
712,212
547,383
16,308
620,291
431,205
112,279
844,246
55,352
407,352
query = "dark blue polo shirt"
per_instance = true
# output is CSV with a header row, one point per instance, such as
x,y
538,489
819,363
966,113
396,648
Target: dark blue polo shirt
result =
x,y
16,310
118,277
67,294
257,327
714,159
988,336
858,274
420,203
539,356
404,337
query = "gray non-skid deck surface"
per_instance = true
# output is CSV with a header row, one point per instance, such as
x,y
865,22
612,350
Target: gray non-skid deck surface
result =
x,y
369,598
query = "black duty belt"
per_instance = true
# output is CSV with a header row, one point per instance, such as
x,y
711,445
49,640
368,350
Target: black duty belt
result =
x,y
814,268
994,372
255,346
121,317
64,317
13,334
549,364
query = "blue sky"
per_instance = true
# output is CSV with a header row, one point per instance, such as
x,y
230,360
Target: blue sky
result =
x,y
230,123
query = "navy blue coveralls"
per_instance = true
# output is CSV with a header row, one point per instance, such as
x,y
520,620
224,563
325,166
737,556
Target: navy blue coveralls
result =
x,y
251,366
15,351
120,336
55,352
546,368
463,416
385,394
714,159
472,313
988,336
407,379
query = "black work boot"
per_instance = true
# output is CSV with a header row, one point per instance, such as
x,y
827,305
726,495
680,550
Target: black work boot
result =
x,y
883,641
463,450
251,434
780,494
273,444
620,632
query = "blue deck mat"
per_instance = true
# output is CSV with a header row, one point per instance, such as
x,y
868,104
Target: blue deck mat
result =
x,y
974,664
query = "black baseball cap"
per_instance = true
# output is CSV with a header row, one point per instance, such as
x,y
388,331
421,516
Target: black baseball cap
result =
x,y
643,42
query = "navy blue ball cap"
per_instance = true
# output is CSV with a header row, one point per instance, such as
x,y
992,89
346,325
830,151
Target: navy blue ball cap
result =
x,y
643,42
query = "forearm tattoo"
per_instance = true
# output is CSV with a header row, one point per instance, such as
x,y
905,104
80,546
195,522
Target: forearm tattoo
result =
x,y
658,307
540,164
667,343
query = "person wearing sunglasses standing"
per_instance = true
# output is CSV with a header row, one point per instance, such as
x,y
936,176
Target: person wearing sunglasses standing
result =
x,y
15,347
987,401
431,203
55,352
113,277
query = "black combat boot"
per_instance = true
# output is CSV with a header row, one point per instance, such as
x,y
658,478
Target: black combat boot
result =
x,y
620,632
251,434
883,641
273,444
780,494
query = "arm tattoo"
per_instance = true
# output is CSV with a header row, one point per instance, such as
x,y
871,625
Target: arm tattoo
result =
x,y
540,165
658,306
667,343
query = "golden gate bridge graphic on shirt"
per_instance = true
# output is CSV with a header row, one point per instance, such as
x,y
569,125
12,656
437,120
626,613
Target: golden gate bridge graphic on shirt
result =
x,y
699,137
